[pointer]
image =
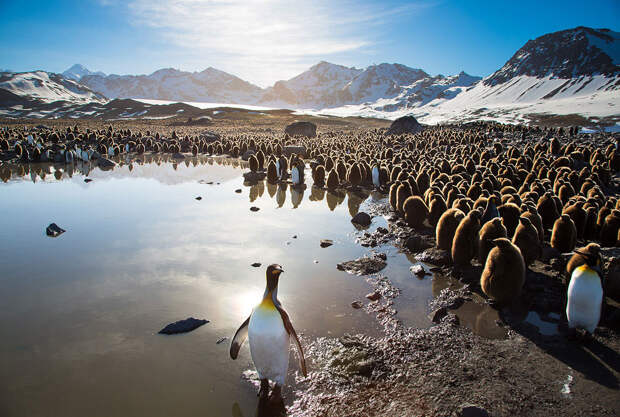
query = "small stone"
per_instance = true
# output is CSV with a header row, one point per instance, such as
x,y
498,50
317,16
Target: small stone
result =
x,y
53,230
316,261
362,219
238,190
357,304
294,236
256,264
418,270
183,326
254,208
198,198
471,410
373,296
87,180
439,314
325,243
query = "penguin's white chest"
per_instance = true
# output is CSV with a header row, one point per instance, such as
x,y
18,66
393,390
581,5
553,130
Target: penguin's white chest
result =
x,y
375,177
585,297
295,175
269,343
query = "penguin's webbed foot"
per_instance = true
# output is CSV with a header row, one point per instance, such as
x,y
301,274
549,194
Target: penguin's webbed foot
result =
x,y
264,389
276,395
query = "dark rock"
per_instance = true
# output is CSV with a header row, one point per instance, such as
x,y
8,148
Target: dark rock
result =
x,y
307,129
256,264
361,218
373,296
439,314
209,136
254,208
418,270
434,256
294,149
183,326
53,230
470,410
246,155
87,180
105,163
416,244
254,176
405,124
198,198
238,190
365,265
325,243
357,304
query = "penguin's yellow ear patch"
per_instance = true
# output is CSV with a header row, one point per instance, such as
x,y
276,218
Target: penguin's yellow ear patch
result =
x,y
274,272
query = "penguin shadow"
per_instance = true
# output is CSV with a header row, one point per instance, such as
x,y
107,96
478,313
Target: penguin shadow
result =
x,y
264,408
590,357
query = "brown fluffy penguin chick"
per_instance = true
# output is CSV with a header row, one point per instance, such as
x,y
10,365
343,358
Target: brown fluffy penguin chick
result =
x,y
446,228
564,234
510,214
504,272
415,211
610,228
547,210
402,193
578,259
272,172
535,219
253,163
354,175
527,240
436,208
318,176
465,242
333,180
491,230
392,195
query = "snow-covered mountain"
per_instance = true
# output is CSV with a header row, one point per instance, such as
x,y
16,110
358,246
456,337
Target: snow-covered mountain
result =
x,y
210,85
77,71
329,85
574,71
571,72
47,87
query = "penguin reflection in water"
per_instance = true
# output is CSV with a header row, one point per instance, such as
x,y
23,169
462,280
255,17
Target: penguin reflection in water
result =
x,y
268,330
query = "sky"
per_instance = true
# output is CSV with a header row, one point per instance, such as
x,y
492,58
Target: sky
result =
x,y
265,41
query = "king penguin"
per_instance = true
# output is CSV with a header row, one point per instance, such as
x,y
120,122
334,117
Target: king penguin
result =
x,y
269,331
585,294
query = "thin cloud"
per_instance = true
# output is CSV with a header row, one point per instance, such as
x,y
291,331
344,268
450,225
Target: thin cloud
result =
x,y
282,33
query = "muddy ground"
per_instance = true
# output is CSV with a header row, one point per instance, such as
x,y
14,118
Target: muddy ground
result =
x,y
447,369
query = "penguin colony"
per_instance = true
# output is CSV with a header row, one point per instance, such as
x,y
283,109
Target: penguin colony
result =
x,y
548,186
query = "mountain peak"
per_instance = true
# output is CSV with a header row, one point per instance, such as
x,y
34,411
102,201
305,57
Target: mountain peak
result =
x,y
77,71
565,54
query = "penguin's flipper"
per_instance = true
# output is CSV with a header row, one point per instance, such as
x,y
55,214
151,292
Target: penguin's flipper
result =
x,y
239,338
291,331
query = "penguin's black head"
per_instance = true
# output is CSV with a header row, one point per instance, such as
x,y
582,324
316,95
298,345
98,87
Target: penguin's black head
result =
x,y
273,274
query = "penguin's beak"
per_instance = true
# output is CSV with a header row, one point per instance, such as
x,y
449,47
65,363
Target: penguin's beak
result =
x,y
279,268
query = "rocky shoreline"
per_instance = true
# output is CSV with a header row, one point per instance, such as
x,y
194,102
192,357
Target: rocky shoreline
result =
x,y
449,370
